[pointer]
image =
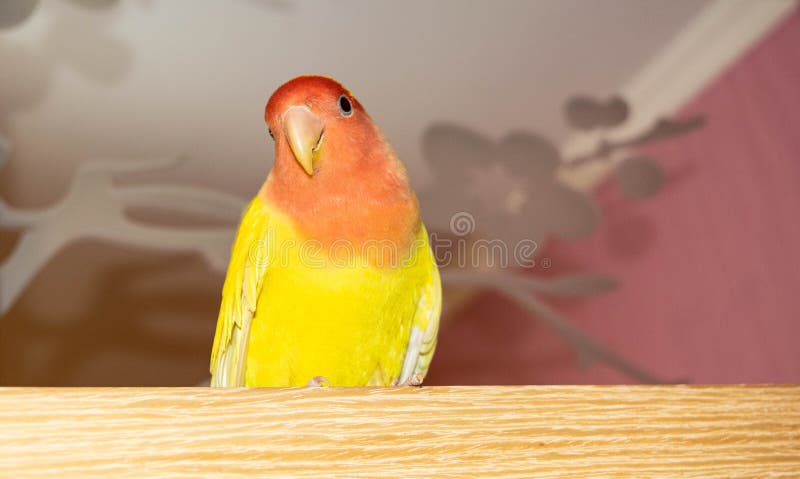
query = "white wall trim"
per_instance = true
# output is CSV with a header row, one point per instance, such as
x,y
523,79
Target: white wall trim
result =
x,y
714,39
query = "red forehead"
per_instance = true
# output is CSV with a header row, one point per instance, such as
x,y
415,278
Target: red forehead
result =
x,y
303,90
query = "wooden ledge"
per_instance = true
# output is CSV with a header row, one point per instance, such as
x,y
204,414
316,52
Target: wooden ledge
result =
x,y
498,432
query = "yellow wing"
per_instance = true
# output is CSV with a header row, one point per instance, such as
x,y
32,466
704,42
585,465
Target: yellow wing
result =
x,y
243,283
425,326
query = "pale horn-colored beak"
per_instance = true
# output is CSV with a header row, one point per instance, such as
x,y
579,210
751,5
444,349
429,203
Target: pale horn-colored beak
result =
x,y
304,132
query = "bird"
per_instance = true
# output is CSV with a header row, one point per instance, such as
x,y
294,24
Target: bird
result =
x,y
332,280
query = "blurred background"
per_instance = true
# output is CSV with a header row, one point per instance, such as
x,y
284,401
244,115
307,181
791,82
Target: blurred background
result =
x,y
648,152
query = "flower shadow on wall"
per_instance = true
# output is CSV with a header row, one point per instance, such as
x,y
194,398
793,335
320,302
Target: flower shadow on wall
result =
x,y
79,37
83,44
520,190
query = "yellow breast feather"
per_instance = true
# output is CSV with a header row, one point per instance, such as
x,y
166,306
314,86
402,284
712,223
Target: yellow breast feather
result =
x,y
291,312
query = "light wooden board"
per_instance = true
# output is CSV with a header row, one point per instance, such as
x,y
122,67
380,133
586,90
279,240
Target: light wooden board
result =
x,y
497,432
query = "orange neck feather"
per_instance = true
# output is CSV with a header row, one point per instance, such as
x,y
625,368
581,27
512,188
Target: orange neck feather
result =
x,y
359,191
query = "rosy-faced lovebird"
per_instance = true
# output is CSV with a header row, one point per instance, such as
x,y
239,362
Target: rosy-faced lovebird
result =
x,y
332,280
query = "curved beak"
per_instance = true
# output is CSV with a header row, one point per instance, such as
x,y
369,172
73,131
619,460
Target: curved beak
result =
x,y
304,132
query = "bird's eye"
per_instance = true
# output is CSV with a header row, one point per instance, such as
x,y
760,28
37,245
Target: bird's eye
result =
x,y
270,133
345,108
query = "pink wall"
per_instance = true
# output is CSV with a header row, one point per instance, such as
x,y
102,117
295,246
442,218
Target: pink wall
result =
x,y
709,267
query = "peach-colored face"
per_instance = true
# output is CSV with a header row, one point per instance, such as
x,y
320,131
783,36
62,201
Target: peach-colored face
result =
x,y
320,94
334,173
318,127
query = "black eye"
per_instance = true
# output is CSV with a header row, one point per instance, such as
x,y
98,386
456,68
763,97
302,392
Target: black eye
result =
x,y
345,108
270,133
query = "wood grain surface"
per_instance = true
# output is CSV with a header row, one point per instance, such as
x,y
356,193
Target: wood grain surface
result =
x,y
498,432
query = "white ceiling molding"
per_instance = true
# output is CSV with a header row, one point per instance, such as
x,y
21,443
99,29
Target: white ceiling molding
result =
x,y
714,39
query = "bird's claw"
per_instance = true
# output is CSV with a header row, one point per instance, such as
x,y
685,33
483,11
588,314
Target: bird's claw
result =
x,y
318,382
414,380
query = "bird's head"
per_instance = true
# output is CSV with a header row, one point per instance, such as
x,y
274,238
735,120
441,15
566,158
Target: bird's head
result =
x,y
313,118
335,174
